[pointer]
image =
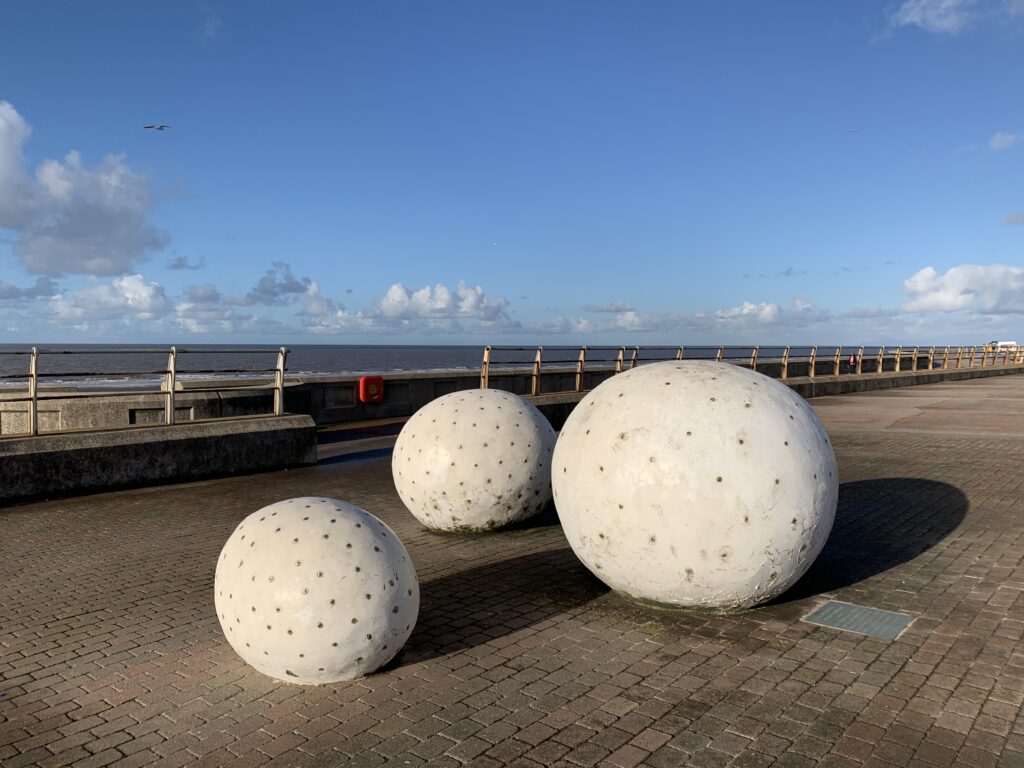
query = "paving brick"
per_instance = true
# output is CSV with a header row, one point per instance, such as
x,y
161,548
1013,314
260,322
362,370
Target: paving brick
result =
x,y
520,656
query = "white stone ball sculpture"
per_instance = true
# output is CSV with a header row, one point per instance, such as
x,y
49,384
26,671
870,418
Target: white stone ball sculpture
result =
x,y
314,590
474,460
695,483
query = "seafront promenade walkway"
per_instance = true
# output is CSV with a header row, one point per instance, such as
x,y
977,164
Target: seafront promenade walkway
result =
x,y
110,652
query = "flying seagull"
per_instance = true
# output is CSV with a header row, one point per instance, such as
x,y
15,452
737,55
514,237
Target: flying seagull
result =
x,y
157,127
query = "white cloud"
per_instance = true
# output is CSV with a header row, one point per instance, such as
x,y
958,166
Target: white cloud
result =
x,y
43,287
611,306
431,309
992,289
203,309
950,17
749,320
438,303
72,219
182,262
1002,140
123,302
323,315
760,313
210,21
277,286
941,16
1015,219
14,132
630,321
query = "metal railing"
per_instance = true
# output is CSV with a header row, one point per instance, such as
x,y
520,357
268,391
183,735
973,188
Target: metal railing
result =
x,y
836,361
170,380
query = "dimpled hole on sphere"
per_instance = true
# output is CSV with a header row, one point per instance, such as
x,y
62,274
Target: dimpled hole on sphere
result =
x,y
695,483
315,590
474,460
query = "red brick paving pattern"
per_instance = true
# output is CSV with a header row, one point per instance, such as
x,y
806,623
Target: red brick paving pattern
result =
x,y
110,652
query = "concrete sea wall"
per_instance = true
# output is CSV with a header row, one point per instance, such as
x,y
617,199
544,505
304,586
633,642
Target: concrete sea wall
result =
x,y
58,465
334,399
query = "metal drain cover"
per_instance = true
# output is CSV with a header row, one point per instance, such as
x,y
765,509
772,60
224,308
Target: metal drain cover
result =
x,y
874,622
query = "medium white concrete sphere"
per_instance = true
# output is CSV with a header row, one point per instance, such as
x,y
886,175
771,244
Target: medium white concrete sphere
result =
x,y
315,590
695,483
474,460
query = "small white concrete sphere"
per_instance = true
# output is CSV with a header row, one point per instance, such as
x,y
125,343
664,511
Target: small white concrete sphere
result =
x,y
695,483
314,590
474,460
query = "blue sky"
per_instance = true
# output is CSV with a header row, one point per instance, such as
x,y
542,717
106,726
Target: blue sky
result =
x,y
467,172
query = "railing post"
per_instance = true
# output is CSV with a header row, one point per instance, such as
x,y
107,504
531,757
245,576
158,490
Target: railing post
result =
x,y
753,359
913,364
33,387
170,384
899,359
679,353
880,366
835,362
538,359
636,356
579,368
813,362
970,362
282,356
721,352
785,363
860,360
620,359
485,368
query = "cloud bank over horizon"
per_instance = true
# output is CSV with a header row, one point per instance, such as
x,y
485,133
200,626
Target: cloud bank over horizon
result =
x,y
283,305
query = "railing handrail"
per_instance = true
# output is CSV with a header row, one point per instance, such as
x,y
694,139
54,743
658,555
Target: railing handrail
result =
x,y
838,360
144,351
170,377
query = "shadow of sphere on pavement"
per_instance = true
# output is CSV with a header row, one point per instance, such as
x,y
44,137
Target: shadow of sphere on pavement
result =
x,y
879,525
466,609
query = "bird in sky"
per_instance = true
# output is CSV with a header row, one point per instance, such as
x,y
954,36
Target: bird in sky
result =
x,y
159,127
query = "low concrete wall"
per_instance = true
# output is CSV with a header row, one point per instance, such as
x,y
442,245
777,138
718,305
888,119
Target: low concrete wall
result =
x,y
65,411
59,465
823,386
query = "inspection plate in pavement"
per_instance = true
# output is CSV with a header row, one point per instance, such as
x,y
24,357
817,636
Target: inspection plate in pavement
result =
x,y
874,622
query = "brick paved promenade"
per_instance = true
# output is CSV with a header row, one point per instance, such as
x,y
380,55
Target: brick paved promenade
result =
x,y
110,652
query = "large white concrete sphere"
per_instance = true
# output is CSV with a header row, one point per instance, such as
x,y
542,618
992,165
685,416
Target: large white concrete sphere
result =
x,y
695,483
474,460
315,590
